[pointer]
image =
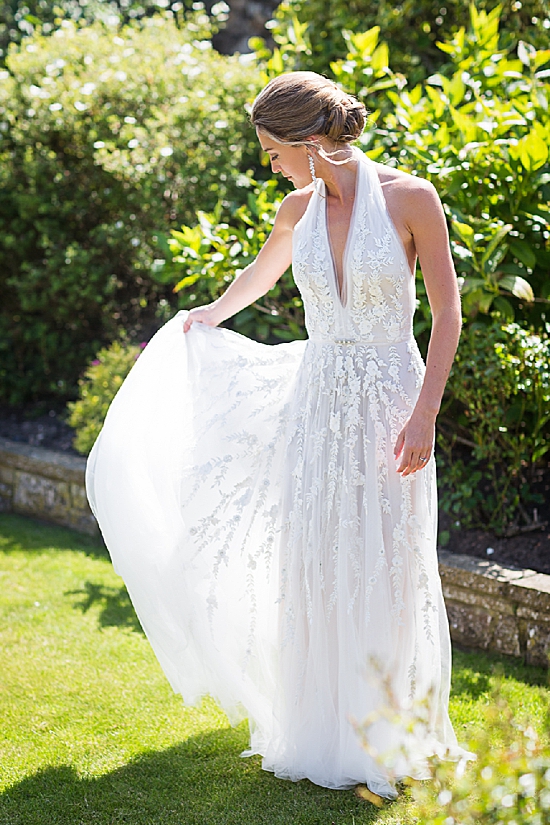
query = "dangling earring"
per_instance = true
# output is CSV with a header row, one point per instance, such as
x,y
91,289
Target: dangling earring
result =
x,y
312,168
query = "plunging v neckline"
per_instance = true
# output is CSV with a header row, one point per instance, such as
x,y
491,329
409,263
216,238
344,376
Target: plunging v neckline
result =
x,y
342,292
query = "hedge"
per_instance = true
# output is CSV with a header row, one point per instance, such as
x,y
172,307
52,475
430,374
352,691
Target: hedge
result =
x,y
106,137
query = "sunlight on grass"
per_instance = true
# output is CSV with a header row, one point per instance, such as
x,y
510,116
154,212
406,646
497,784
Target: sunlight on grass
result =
x,y
92,732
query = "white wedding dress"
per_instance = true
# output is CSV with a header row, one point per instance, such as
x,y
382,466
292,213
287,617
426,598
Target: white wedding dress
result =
x,y
249,498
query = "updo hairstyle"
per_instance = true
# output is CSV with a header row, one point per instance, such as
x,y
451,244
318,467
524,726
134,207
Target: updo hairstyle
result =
x,y
295,106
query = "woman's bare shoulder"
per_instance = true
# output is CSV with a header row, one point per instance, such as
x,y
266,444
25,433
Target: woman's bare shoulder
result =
x,y
294,205
399,181
408,197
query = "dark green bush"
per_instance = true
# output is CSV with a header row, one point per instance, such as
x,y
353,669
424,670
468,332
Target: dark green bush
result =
x,y
494,426
107,137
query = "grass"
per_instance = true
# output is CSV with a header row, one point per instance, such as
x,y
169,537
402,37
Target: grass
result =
x,y
92,733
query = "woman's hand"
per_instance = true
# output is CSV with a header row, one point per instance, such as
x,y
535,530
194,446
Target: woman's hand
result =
x,y
415,442
205,315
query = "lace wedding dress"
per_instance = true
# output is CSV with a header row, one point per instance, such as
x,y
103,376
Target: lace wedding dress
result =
x,y
249,498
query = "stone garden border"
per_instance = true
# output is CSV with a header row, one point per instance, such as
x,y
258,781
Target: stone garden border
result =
x,y
490,607
45,484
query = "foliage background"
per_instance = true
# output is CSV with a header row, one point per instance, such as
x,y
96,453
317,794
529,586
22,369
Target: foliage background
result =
x,y
412,27
106,137
22,18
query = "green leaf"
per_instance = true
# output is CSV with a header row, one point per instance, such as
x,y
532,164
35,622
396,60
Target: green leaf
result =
x,y
375,153
533,151
526,52
524,253
465,123
472,284
276,63
504,307
490,262
363,43
485,301
456,89
464,232
439,103
187,237
380,58
541,57
189,280
448,48
517,286
495,241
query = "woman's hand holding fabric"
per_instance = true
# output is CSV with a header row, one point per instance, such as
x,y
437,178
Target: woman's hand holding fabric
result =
x,y
204,315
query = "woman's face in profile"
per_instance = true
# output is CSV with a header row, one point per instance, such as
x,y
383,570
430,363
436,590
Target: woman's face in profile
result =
x,y
290,161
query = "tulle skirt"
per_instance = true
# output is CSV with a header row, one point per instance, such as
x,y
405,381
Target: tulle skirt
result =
x,y
249,498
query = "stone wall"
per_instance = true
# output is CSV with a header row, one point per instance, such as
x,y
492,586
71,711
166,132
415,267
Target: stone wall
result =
x,y
44,484
490,607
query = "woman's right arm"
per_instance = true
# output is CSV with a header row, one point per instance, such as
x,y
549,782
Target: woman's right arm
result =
x,y
258,277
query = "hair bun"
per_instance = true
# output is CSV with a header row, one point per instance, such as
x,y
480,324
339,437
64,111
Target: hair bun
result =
x,y
345,120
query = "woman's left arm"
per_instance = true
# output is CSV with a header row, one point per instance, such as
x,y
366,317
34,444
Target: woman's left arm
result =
x,y
425,219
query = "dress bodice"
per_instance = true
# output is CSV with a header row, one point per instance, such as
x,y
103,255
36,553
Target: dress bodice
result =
x,y
377,301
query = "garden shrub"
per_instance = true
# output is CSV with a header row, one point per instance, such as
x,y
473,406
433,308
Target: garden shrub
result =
x,y
502,779
494,426
413,27
99,385
21,18
210,254
106,138
479,131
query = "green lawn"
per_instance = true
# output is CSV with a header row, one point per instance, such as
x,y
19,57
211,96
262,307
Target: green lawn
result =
x,y
92,733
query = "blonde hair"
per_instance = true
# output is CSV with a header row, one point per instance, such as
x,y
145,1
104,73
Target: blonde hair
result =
x,y
295,106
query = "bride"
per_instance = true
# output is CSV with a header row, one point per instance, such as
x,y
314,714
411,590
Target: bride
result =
x,y
272,509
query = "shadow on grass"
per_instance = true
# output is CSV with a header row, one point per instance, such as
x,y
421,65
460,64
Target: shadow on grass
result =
x,y
21,533
116,609
473,671
202,781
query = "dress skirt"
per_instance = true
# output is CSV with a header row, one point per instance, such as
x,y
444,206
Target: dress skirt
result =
x,y
249,498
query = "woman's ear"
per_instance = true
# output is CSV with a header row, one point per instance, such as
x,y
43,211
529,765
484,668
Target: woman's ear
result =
x,y
312,144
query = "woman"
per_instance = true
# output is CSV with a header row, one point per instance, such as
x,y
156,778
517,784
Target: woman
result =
x,y
273,510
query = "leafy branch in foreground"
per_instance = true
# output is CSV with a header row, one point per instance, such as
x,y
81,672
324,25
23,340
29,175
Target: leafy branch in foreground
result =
x,y
507,782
